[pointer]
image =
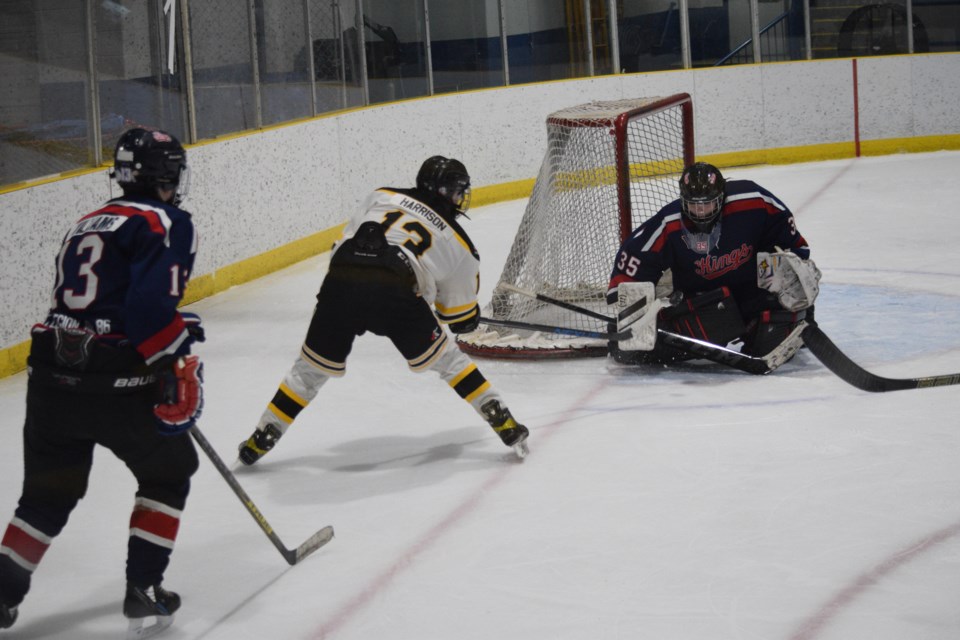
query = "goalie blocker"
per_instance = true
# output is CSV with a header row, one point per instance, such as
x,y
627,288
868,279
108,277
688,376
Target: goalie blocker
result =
x,y
713,317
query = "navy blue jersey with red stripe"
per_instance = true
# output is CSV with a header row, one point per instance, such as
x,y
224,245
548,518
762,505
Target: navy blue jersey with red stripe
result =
x,y
752,220
121,273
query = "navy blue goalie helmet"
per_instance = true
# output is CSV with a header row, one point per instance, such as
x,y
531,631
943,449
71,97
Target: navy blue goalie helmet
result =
x,y
147,160
447,178
702,195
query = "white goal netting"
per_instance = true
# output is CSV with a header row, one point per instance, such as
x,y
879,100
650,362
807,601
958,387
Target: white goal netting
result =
x,y
608,167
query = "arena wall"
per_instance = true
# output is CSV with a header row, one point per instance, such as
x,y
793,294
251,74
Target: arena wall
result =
x,y
267,199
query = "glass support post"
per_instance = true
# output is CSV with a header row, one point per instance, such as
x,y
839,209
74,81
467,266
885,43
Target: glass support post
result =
x,y
909,9
311,72
614,36
755,31
588,38
94,134
504,48
362,53
684,10
427,46
255,66
188,71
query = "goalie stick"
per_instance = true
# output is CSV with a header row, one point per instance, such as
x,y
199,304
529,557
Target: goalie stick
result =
x,y
706,350
757,365
292,556
821,346
849,371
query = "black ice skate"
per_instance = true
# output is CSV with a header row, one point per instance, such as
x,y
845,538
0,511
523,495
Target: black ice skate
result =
x,y
8,615
257,445
143,603
510,431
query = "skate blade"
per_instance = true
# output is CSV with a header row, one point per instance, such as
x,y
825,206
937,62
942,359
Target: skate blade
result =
x,y
136,630
521,449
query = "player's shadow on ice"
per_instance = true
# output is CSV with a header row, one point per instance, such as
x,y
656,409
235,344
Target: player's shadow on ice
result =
x,y
399,452
355,469
439,453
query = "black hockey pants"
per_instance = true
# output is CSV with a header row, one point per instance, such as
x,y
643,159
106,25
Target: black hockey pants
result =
x,y
370,290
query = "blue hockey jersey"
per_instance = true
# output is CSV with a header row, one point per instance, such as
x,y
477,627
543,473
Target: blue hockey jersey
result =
x,y
121,273
752,220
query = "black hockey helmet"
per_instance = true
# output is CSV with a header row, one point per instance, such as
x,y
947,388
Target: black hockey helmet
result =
x,y
702,195
447,178
145,160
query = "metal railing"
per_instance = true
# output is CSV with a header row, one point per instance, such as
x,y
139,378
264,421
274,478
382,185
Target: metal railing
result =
x,y
774,44
207,68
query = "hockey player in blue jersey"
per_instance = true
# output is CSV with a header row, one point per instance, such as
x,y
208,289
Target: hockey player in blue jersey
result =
x,y
110,365
739,268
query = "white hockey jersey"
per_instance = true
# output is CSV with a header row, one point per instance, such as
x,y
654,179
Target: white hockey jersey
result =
x,y
444,259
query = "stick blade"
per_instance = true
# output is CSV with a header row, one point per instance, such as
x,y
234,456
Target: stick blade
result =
x,y
312,543
846,369
849,371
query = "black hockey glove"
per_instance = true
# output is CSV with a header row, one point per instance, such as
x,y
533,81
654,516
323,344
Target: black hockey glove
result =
x,y
194,328
468,325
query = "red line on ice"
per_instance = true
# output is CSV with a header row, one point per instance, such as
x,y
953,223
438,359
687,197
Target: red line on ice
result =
x,y
814,624
407,558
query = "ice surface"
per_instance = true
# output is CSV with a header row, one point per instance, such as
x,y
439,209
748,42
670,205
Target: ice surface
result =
x,y
657,504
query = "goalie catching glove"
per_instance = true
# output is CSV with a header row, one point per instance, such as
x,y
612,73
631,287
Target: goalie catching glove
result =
x,y
181,395
795,281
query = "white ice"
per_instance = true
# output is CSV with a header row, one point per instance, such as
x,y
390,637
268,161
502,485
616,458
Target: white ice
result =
x,y
655,503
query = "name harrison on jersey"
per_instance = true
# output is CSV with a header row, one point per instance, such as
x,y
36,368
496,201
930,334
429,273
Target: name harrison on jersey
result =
x,y
710,267
426,212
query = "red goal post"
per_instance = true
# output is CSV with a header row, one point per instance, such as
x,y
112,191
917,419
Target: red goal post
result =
x,y
608,167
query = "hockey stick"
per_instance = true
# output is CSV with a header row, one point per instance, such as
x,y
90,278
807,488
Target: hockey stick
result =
x,y
757,365
557,303
292,556
849,371
702,349
566,331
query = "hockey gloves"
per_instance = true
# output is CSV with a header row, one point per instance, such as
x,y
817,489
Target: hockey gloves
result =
x,y
194,328
468,325
181,396
795,281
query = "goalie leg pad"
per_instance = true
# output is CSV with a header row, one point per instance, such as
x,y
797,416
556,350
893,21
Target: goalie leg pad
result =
x,y
660,354
770,330
637,312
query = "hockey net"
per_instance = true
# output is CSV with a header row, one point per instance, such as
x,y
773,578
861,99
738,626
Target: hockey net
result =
x,y
608,167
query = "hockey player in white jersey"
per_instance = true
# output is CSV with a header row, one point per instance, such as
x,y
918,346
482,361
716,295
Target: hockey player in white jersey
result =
x,y
403,266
